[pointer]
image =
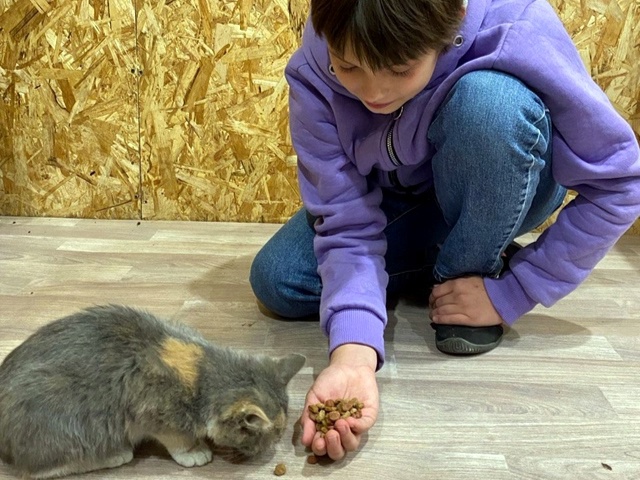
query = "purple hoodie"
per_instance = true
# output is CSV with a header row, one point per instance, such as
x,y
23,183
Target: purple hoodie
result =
x,y
339,143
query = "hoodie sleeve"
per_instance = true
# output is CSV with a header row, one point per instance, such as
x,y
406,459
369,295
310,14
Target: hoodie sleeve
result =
x,y
595,153
350,242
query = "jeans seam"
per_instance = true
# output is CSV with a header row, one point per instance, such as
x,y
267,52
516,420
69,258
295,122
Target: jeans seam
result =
x,y
525,192
539,135
404,272
409,210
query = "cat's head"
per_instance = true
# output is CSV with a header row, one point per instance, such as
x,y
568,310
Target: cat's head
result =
x,y
254,415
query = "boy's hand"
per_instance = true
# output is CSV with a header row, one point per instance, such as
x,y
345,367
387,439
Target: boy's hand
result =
x,y
463,301
350,374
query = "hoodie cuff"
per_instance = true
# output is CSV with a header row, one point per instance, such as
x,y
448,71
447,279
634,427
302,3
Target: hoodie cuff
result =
x,y
508,297
357,326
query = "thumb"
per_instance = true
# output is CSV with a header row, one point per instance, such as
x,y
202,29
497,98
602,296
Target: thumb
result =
x,y
361,425
308,430
308,425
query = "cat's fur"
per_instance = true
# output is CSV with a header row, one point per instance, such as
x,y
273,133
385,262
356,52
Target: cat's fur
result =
x,y
82,391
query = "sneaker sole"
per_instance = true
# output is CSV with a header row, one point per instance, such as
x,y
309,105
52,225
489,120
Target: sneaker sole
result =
x,y
460,346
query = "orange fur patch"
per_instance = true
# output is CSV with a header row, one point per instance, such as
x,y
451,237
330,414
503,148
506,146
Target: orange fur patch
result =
x,y
183,358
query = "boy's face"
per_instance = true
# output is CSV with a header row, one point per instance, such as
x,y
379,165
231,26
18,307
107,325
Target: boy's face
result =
x,y
383,91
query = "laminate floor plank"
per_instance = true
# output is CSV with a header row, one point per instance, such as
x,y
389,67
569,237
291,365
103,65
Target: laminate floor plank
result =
x,y
557,400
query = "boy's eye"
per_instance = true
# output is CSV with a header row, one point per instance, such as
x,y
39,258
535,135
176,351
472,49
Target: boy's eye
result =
x,y
346,69
401,73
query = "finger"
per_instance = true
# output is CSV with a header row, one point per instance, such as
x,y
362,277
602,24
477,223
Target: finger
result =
x,y
432,300
349,440
308,425
335,449
449,309
442,289
452,319
319,446
308,430
361,425
432,297
448,299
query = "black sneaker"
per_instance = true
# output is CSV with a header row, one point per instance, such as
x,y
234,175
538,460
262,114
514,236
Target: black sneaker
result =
x,y
463,340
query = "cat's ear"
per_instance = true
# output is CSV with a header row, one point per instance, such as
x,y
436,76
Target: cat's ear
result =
x,y
247,415
288,366
254,418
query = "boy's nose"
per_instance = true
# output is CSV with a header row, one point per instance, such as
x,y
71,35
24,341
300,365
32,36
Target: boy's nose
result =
x,y
374,92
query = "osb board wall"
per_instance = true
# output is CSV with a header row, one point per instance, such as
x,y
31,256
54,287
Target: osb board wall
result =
x,y
154,109
68,129
177,109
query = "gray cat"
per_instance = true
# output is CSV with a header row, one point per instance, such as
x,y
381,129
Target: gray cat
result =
x,y
82,391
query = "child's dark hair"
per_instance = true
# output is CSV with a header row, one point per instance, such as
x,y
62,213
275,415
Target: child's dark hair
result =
x,y
384,33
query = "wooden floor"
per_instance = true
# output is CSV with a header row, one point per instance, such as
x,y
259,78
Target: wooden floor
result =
x,y
559,399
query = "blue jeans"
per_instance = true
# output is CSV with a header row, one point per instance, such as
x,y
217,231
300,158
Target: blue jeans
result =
x,y
492,182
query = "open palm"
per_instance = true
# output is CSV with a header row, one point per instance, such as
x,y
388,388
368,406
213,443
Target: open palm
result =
x,y
334,383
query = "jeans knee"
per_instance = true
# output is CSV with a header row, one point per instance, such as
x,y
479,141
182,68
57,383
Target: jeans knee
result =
x,y
281,289
492,111
262,280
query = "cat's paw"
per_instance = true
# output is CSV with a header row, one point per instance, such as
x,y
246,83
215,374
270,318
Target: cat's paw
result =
x,y
120,459
200,454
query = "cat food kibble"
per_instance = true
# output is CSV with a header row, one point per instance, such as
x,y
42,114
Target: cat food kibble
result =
x,y
328,413
280,469
312,459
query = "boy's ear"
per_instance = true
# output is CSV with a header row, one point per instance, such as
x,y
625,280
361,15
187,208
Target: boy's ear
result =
x,y
288,366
